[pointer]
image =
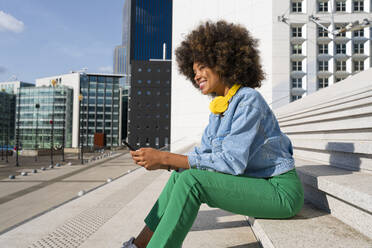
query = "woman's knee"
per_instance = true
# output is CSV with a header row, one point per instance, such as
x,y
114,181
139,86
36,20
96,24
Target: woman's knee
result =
x,y
188,179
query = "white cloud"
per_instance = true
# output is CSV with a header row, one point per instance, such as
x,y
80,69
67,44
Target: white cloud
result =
x,y
107,69
10,23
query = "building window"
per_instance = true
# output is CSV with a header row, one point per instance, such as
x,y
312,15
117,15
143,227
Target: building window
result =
x,y
297,7
296,82
322,83
359,33
341,48
358,5
294,98
297,49
338,79
296,31
340,6
342,34
322,32
340,65
358,48
323,65
296,65
358,65
323,6
323,48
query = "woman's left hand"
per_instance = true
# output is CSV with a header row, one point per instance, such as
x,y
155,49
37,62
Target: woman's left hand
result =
x,y
148,158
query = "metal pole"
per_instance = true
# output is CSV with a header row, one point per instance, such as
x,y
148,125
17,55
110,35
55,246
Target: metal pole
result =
x,y
37,106
2,140
80,132
7,142
52,132
17,130
63,129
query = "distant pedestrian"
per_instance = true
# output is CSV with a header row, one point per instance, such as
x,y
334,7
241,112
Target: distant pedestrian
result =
x,y
244,163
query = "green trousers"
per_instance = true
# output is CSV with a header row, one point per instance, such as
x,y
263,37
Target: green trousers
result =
x,y
177,206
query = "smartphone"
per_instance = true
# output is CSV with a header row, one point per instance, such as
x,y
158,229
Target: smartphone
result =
x,y
129,146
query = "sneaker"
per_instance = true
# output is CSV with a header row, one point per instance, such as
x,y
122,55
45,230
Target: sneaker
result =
x,y
129,244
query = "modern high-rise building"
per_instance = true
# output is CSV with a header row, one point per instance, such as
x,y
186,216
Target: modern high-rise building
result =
x,y
300,45
121,52
151,27
149,104
149,36
45,117
96,106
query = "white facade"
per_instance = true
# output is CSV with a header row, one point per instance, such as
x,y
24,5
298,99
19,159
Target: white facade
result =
x,y
73,81
277,42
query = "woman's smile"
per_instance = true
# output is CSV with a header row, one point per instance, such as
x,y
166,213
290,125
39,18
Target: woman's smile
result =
x,y
208,80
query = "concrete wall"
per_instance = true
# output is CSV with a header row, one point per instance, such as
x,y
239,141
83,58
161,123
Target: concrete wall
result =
x,y
189,107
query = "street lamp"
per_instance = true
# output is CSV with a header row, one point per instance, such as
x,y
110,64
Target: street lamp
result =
x,y
63,127
80,132
37,106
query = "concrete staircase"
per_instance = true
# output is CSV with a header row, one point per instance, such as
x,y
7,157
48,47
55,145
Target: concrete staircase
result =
x,y
331,132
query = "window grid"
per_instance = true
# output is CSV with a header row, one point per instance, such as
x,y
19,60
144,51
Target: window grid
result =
x,y
359,33
358,5
323,65
322,83
296,31
294,98
338,79
297,7
323,6
296,49
296,65
340,65
358,65
340,6
296,82
338,27
323,48
322,32
358,48
341,48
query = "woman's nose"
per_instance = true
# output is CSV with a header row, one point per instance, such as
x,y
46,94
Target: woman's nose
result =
x,y
197,76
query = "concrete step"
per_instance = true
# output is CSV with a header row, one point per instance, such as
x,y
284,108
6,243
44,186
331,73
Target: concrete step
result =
x,y
345,194
311,228
344,160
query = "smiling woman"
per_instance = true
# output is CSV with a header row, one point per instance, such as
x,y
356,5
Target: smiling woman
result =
x,y
244,163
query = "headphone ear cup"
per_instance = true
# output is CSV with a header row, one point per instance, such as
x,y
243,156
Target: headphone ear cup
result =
x,y
219,105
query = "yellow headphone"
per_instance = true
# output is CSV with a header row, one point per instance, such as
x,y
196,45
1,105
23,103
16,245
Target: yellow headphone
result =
x,y
220,103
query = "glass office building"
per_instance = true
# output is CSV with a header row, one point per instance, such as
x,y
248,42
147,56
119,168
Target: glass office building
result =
x,y
100,108
7,120
45,117
151,27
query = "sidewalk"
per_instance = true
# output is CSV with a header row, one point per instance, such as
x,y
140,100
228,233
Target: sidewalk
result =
x,y
114,212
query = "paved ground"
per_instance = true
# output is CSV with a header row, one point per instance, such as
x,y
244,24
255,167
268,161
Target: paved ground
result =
x,y
7,168
29,196
111,214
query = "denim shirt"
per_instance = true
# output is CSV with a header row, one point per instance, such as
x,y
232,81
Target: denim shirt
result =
x,y
244,140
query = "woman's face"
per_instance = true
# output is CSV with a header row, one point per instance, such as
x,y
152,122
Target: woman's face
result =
x,y
208,80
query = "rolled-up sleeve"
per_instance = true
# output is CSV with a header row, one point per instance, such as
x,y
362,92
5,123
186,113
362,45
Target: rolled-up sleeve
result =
x,y
229,154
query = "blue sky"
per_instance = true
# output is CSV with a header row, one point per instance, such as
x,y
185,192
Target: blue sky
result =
x,y
40,38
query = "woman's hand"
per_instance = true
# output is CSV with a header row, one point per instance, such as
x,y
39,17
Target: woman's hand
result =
x,y
149,158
